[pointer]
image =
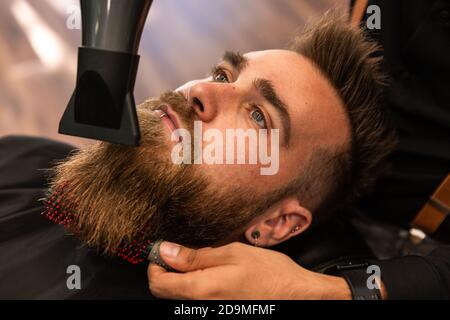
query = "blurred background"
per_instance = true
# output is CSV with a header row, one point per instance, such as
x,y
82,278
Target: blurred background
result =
x,y
182,40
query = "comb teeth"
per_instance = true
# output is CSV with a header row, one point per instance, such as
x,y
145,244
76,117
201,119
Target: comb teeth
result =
x,y
60,209
135,252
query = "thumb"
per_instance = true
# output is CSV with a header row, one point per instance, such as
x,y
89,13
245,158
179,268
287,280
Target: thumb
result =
x,y
185,259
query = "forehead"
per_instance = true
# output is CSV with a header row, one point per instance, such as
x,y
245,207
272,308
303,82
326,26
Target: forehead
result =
x,y
314,106
276,63
295,77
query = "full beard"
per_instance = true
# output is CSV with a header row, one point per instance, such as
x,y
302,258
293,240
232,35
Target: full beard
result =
x,y
112,196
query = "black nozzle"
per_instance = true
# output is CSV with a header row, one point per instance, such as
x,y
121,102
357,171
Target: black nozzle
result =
x,y
102,106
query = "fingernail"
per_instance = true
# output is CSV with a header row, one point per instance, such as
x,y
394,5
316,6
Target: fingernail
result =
x,y
169,249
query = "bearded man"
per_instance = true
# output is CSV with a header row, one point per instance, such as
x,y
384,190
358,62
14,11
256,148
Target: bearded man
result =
x,y
321,95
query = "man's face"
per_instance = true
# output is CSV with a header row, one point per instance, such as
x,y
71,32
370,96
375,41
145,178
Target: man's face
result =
x,y
274,89
121,194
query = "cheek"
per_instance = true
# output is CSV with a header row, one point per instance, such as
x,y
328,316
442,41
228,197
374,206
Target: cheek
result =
x,y
242,176
226,118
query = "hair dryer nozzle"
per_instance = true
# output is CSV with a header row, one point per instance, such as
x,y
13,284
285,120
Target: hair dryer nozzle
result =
x,y
102,106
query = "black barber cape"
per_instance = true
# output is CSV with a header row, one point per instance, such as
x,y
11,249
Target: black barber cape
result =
x,y
36,255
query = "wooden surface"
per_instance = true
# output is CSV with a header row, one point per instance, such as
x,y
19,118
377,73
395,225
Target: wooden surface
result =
x,y
181,42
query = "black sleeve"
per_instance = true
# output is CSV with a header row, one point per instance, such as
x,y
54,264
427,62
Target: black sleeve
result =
x,y
415,277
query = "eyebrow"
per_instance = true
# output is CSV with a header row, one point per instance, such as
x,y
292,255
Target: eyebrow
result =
x,y
236,60
266,89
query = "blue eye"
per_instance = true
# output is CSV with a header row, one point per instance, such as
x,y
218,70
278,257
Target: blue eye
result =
x,y
220,76
258,116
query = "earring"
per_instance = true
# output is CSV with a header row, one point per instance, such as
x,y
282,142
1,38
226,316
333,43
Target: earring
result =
x,y
295,229
255,235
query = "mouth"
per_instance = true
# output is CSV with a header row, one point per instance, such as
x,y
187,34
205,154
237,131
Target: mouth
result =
x,y
168,117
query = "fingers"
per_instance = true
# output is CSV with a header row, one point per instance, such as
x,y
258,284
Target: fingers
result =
x,y
180,286
155,271
163,284
167,285
184,259
204,270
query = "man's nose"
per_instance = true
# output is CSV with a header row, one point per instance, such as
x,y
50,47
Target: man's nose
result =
x,y
209,98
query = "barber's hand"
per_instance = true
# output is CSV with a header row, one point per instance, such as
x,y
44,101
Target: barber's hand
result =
x,y
238,271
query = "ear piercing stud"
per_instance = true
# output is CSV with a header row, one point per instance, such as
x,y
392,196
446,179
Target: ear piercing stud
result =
x,y
255,235
295,229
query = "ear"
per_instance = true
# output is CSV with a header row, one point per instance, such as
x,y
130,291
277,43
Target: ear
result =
x,y
285,219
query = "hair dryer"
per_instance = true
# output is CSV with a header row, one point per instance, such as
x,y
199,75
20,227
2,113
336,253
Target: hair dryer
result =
x,y
102,106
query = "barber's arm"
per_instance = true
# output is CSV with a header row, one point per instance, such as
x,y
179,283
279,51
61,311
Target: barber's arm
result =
x,y
239,271
415,277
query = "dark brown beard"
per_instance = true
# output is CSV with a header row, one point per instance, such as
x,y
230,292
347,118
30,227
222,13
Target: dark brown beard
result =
x,y
117,195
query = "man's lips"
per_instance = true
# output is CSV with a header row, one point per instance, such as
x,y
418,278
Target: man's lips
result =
x,y
168,116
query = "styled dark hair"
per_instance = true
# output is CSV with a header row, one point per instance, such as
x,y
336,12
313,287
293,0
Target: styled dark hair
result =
x,y
351,63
